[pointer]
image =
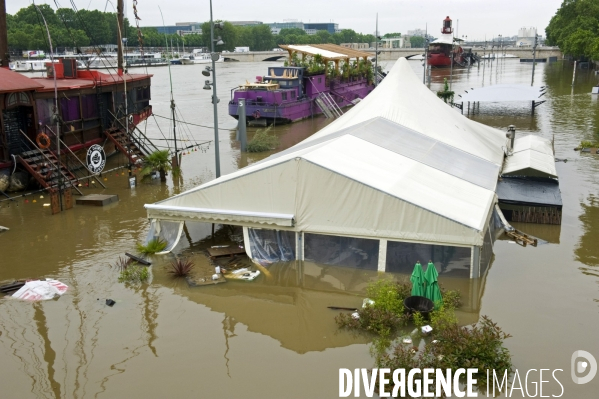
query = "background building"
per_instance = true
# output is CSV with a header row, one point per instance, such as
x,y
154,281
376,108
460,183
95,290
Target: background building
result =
x,y
526,37
331,27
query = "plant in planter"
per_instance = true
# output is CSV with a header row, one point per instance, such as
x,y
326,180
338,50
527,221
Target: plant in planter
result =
x,y
181,267
446,95
157,161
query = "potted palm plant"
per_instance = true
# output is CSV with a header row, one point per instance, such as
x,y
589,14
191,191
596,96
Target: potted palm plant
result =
x,y
157,161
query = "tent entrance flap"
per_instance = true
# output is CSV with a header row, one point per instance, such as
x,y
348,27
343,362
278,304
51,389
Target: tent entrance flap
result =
x,y
210,215
168,231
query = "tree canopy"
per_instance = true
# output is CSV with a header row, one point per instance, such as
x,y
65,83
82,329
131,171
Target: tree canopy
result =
x,y
96,28
575,28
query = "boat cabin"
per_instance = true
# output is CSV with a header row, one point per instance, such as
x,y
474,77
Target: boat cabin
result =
x,y
92,108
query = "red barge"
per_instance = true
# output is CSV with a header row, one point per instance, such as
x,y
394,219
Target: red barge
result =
x,y
442,50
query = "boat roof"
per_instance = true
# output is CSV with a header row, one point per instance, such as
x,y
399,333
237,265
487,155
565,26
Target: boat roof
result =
x,y
327,51
445,38
87,79
11,81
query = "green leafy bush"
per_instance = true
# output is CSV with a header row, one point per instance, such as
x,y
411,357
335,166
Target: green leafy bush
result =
x,y
446,94
263,141
477,346
588,144
134,274
153,246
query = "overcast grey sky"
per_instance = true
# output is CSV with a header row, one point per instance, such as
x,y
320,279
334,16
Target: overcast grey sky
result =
x,y
477,18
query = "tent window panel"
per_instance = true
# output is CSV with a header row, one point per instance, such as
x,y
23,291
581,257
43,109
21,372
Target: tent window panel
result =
x,y
271,246
360,253
402,256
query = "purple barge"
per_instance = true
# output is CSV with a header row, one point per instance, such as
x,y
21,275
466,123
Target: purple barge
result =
x,y
323,81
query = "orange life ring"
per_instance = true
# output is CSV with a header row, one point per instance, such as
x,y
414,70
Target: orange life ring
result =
x,y
43,141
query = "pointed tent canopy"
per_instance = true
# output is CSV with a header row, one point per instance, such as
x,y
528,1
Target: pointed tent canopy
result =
x,y
402,98
386,170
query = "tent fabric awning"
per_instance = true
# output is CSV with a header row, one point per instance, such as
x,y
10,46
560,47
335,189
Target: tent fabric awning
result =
x,y
503,93
205,214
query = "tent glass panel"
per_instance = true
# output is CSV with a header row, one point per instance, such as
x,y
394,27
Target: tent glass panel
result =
x,y
401,257
360,253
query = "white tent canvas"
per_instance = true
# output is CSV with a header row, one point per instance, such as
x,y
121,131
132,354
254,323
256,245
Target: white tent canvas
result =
x,y
401,165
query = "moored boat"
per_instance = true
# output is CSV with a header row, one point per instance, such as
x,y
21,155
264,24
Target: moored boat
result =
x,y
446,49
326,78
94,108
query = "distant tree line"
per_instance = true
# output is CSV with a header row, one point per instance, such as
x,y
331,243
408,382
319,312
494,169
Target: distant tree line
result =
x,y
575,28
96,28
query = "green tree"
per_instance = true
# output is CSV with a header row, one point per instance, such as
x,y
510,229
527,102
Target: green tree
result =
x,y
227,32
575,28
417,41
387,35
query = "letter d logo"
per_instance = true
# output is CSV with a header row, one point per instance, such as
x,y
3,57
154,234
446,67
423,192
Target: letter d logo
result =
x,y
581,367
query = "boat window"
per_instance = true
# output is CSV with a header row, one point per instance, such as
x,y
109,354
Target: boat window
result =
x,y
70,109
284,96
14,99
319,80
44,110
292,95
89,106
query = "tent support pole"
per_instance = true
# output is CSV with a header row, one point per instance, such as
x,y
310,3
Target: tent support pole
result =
x,y
382,255
475,262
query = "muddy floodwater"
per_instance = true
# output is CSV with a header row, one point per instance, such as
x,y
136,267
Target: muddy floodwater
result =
x,y
274,337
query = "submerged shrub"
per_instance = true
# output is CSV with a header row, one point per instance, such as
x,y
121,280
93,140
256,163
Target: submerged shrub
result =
x,y
385,316
134,274
262,141
477,346
153,246
180,267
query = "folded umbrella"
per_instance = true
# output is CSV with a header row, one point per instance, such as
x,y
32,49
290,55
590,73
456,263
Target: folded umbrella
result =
x,y
433,292
417,280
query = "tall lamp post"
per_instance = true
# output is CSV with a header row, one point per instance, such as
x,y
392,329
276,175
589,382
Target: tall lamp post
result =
x,y
214,56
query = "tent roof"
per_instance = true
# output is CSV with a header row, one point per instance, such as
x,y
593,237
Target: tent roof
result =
x,y
499,93
532,156
403,99
371,177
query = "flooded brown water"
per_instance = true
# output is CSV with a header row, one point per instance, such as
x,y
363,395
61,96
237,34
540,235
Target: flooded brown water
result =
x,y
274,337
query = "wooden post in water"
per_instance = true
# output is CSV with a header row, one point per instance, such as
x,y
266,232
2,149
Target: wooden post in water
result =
x,y
119,8
574,73
241,125
4,55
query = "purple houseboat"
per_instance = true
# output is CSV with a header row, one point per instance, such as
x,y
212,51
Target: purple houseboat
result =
x,y
325,79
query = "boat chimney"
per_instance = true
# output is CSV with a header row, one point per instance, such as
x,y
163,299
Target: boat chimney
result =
x,y
511,135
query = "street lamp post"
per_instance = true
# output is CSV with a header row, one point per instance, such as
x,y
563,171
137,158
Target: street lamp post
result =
x,y
214,56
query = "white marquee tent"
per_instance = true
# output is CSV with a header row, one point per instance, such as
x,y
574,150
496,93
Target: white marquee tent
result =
x,y
400,170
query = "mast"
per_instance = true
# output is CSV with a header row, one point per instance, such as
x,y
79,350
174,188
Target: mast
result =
x,y
4,55
376,52
119,9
